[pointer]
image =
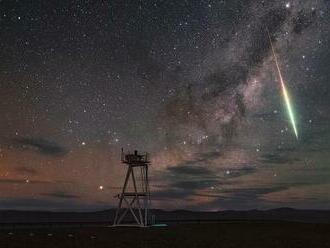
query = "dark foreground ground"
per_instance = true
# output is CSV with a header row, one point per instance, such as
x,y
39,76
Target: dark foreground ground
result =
x,y
236,234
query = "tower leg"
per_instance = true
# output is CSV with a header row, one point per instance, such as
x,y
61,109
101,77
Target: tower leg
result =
x,y
147,198
122,195
137,198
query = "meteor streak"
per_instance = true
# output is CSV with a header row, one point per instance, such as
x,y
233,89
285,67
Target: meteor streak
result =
x,y
284,90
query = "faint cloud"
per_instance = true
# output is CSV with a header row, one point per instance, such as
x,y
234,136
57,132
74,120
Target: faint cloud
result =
x,y
26,170
274,158
42,146
238,172
190,170
61,194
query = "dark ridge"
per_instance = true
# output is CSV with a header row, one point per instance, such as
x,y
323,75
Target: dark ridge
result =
x,y
163,216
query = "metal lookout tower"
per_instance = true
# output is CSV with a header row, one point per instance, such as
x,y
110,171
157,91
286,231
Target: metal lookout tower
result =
x,y
135,195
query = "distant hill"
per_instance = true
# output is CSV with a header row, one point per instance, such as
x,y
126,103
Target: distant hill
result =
x,y
107,216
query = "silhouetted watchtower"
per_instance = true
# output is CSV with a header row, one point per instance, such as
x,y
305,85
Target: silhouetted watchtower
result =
x,y
135,195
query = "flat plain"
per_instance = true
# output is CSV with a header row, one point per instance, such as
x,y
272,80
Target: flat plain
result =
x,y
227,234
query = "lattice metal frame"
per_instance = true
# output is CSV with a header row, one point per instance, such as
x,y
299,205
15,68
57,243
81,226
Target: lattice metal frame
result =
x,y
136,202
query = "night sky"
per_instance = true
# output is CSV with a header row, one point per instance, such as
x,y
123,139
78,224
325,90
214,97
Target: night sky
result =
x,y
194,83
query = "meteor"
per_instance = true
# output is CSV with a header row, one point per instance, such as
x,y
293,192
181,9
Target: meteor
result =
x,y
284,90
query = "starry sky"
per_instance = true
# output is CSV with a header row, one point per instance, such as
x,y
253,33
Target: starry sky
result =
x,y
193,83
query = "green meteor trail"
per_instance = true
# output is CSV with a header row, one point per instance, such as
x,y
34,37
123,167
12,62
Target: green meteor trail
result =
x,y
284,91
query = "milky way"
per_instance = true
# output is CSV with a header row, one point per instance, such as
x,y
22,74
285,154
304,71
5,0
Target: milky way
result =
x,y
191,82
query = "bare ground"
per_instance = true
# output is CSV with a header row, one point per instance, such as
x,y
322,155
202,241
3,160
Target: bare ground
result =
x,y
236,234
